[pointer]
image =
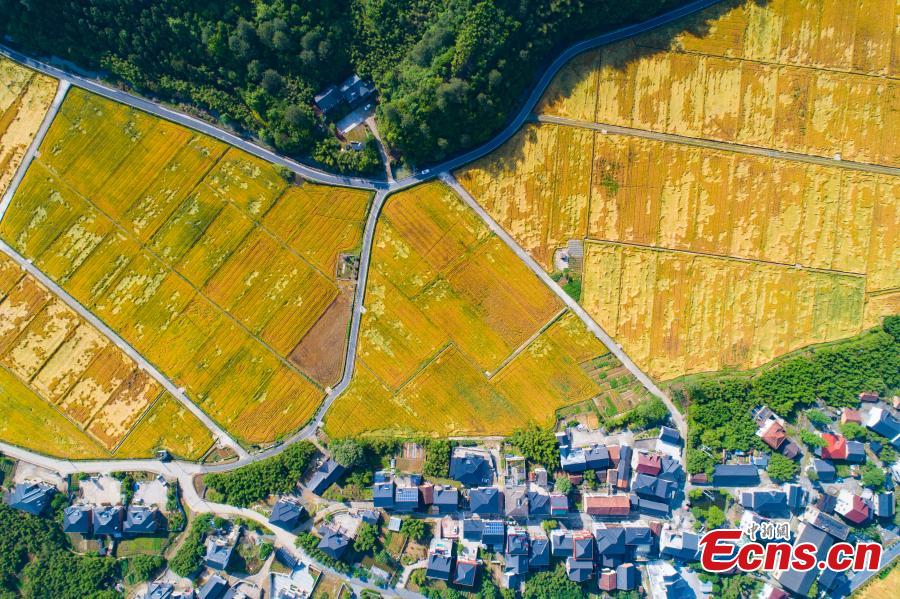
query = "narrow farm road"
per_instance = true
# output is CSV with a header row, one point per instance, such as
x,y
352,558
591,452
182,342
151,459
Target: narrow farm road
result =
x,y
382,188
570,302
719,145
218,433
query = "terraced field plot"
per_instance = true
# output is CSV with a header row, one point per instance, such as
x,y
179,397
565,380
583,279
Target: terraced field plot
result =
x,y
25,97
814,76
66,389
202,257
699,259
797,225
459,337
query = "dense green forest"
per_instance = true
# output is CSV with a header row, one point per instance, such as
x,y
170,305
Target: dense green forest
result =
x,y
719,407
449,72
36,561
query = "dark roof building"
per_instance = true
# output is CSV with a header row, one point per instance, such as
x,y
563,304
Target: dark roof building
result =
x,y
141,520
325,475
623,468
684,547
653,488
439,566
486,501
627,577
856,452
328,99
538,504
466,573
669,435
824,470
406,499
540,552
286,514
610,541
446,499
583,545
107,520
735,475
383,495
515,503
356,91
800,582
650,507
471,470
218,552
883,423
579,570
596,457
828,524
215,587
670,469
561,543
766,503
472,529
334,543
31,497
796,496
77,518
884,505
493,533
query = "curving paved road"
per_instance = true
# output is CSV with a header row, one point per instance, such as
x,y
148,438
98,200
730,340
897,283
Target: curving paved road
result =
x,y
315,174
382,188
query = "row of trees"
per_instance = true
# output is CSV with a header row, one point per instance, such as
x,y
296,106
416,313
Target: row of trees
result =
x,y
449,72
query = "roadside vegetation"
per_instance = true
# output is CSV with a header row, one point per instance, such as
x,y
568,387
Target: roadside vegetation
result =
x,y
255,482
449,73
720,406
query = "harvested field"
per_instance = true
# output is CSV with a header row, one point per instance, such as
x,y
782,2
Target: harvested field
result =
x,y
810,77
326,340
205,259
58,372
458,337
25,97
764,214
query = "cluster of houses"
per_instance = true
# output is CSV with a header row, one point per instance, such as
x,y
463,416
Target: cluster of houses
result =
x,y
114,521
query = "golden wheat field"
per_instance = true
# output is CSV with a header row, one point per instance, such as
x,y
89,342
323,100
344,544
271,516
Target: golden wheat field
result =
x,y
815,77
58,370
458,336
802,220
203,258
25,97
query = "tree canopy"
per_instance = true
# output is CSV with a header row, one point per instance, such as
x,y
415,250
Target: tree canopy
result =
x,y
276,475
449,73
537,445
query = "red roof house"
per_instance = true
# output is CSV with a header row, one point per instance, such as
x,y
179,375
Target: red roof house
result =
x,y
773,434
608,580
607,505
835,447
852,507
649,464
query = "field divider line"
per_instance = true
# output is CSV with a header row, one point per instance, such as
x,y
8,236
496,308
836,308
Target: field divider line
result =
x,y
718,145
643,246
61,91
524,345
168,385
586,318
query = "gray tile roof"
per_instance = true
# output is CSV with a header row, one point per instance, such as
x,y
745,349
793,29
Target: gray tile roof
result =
x,y
325,475
286,514
108,520
31,497
77,518
471,470
141,520
333,543
466,572
485,501
214,588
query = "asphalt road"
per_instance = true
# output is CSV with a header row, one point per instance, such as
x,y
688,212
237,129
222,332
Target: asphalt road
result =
x,y
720,145
382,188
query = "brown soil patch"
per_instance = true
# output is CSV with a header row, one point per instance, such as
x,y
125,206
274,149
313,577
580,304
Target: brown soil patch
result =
x,y
320,354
